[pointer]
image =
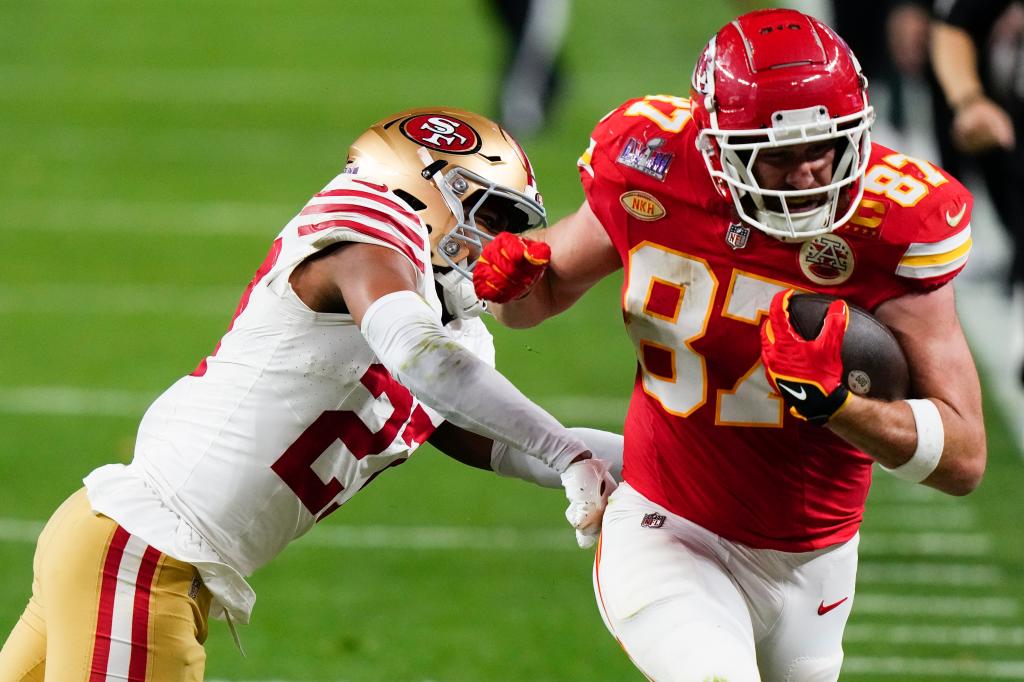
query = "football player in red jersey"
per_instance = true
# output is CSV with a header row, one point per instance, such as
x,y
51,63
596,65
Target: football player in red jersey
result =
x,y
730,550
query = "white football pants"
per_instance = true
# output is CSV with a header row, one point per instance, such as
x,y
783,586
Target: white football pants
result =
x,y
687,605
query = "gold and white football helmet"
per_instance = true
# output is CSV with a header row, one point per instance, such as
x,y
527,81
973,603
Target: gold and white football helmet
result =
x,y
460,172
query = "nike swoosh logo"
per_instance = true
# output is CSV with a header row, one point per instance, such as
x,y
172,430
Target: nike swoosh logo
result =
x,y
823,609
384,188
954,220
802,395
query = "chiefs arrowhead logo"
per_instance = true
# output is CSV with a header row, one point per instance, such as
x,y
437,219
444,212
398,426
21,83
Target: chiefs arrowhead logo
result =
x,y
827,259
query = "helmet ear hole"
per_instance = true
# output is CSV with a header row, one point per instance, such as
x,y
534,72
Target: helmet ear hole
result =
x,y
413,202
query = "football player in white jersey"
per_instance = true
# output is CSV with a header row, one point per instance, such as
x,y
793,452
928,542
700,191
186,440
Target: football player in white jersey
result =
x,y
356,341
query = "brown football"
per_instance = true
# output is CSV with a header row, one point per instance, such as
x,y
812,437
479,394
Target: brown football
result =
x,y
873,361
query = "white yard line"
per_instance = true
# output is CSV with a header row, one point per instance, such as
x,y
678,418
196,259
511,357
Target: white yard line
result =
x,y
946,635
898,605
938,544
940,573
71,401
921,516
933,667
93,402
73,299
34,82
182,218
885,489
382,537
20,530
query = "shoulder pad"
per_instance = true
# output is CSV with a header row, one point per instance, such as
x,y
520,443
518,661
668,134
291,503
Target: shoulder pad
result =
x,y
361,209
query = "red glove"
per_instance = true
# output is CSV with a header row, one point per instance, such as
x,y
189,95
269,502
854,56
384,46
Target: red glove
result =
x,y
509,266
807,374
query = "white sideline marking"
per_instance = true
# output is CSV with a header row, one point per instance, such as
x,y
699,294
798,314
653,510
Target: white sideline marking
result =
x,y
93,402
975,635
958,575
925,544
896,605
934,667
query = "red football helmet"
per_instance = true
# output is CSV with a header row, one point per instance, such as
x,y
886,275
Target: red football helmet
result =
x,y
773,78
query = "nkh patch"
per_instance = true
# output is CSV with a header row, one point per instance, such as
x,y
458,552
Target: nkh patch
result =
x,y
646,158
642,205
737,235
653,520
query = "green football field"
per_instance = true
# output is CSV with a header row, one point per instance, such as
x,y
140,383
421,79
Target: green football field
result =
x,y
150,151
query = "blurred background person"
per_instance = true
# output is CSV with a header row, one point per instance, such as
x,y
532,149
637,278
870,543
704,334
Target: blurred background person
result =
x,y
535,32
890,38
977,53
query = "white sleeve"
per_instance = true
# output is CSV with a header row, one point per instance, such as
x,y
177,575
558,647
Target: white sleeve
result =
x,y
407,337
506,461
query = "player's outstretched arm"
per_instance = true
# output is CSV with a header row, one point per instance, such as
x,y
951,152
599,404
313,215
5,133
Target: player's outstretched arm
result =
x,y
581,255
378,287
587,483
942,372
483,453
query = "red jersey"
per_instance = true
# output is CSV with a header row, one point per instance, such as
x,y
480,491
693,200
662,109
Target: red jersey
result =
x,y
705,435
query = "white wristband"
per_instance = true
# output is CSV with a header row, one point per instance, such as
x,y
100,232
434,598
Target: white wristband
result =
x,y
930,439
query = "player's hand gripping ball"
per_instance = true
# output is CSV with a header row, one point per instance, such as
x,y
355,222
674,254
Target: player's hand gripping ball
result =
x,y
509,266
874,365
808,374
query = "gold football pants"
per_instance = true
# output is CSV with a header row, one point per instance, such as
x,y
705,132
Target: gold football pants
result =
x,y
106,606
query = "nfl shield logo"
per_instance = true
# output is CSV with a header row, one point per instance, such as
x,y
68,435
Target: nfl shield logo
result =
x,y
654,520
737,235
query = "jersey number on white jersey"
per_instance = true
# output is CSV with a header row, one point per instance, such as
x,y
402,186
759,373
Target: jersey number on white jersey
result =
x,y
295,466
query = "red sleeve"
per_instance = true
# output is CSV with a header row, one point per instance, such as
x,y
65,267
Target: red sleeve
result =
x,y
603,181
641,152
935,235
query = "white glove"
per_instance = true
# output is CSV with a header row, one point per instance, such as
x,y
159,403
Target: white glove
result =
x,y
587,485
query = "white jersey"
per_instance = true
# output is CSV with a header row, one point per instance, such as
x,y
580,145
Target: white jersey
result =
x,y
291,415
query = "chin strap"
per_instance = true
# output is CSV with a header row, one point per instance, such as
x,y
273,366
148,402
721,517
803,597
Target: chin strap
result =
x,y
460,300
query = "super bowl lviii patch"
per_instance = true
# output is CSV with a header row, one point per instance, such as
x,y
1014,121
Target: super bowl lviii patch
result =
x,y
646,158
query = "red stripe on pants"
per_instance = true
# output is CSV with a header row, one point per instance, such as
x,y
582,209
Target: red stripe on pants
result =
x,y
105,617
140,616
